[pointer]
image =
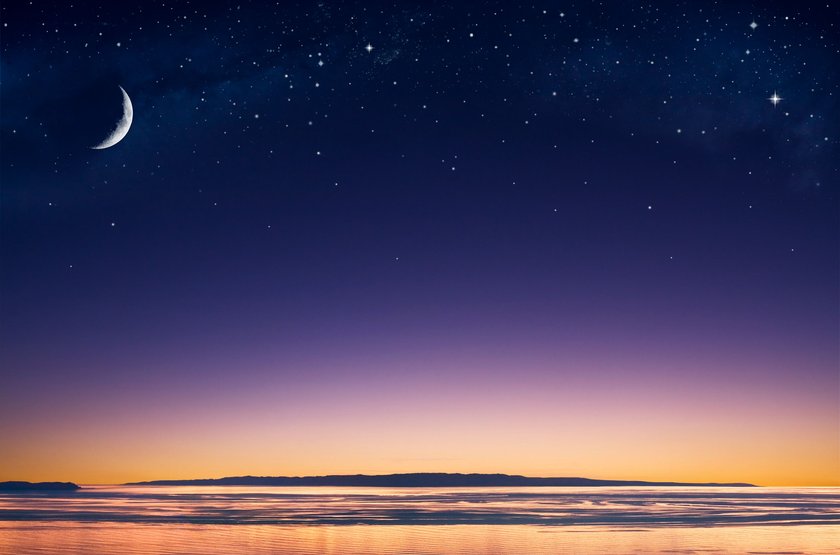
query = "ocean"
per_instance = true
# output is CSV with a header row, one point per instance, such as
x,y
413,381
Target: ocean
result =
x,y
327,520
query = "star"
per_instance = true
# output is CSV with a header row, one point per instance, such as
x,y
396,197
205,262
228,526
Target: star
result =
x,y
369,48
775,99
753,25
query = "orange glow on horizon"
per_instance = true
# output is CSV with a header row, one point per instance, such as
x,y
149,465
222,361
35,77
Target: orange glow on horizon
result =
x,y
542,427
647,445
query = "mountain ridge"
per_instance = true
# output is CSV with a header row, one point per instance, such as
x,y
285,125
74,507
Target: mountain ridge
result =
x,y
20,486
421,479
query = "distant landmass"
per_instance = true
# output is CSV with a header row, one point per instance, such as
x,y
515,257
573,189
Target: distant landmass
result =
x,y
417,480
38,486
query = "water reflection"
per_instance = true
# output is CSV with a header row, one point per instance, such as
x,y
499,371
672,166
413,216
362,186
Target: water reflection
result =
x,y
319,505
101,519
129,538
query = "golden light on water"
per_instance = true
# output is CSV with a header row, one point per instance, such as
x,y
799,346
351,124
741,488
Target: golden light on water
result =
x,y
445,521
149,539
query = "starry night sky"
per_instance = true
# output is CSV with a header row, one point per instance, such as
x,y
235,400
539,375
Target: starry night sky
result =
x,y
547,238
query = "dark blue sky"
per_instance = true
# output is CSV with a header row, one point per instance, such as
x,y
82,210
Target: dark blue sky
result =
x,y
521,180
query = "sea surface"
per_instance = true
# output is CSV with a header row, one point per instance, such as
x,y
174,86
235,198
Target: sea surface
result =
x,y
330,520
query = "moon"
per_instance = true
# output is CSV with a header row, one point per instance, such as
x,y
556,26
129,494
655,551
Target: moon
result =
x,y
121,129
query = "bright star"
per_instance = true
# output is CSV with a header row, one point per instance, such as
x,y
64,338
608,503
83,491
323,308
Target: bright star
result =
x,y
369,48
775,99
753,25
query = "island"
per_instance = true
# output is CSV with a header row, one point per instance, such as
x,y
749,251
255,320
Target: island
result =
x,y
418,480
23,487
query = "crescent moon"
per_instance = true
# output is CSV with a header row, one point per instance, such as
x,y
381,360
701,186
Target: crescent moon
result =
x,y
121,130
